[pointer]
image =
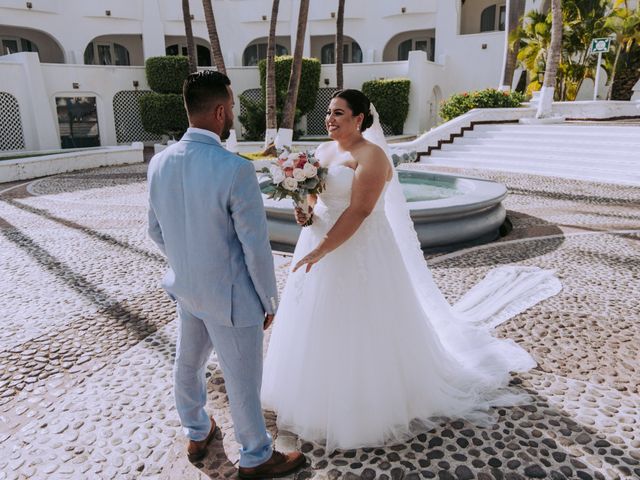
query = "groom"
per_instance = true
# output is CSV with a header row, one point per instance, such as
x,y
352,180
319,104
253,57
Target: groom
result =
x,y
207,217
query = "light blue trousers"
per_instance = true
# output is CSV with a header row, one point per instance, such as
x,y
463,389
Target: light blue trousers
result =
x,y
239,352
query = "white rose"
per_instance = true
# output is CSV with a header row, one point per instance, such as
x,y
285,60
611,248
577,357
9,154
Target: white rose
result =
x,y
309,170
290,184
294,156
288,164
299,174
277,175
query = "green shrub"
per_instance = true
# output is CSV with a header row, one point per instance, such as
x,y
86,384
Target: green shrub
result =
x,y
309,81
254,119
166,74
163,114
460,103
391,99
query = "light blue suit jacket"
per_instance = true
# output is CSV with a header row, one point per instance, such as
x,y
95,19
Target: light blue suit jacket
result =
x,y
206,215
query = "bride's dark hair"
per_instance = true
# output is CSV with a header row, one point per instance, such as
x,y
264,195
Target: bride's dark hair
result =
x,y
358,103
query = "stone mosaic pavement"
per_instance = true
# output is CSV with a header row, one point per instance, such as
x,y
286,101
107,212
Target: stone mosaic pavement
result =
x,y
88,337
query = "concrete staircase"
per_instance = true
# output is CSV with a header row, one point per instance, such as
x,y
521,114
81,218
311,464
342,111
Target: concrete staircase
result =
x,y
599,152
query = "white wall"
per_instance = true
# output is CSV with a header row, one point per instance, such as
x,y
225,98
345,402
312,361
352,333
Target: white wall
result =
x,y
21,76
462,62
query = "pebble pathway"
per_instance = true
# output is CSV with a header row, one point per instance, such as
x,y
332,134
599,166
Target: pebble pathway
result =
x,y
88,338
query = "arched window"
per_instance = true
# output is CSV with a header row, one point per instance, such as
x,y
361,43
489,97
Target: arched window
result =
x,y
16,44
203,56
488,18
351,53
106,53
425,44
258,51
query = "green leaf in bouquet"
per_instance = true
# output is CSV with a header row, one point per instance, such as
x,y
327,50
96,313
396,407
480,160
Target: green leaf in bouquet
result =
x,y
310,183
269,189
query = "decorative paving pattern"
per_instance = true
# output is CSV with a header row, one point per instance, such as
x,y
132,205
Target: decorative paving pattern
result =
x,y
88,338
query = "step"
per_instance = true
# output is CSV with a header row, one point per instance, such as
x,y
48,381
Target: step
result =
x,y
623,161
545,149
539,129
570,166
596,175
575,136
537,162
629,142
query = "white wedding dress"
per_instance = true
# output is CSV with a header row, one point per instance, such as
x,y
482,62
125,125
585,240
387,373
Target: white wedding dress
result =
x,y
366,351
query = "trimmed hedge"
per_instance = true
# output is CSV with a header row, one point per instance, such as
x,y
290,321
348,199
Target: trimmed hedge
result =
x,y
309,81
163,114
391,99
460,103
167,74
254,119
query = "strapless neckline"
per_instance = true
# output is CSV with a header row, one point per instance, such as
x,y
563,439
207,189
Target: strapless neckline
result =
x,y
340,165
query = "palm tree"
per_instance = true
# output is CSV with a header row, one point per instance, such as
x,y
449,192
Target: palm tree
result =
x,y
531,40
218,59
191,49
340,45
553,60
583,20
515,12
289,111
270,78
625,24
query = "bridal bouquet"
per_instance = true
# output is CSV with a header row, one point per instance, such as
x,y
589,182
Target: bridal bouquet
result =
x,y
296,175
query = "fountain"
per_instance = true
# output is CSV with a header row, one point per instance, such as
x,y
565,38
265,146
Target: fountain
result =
x,y
447,210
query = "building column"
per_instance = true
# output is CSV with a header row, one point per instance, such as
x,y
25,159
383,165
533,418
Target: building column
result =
x,y
39,120
419,93
152,30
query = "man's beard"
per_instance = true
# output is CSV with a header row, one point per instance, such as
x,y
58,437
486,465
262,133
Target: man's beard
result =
x,y
226,131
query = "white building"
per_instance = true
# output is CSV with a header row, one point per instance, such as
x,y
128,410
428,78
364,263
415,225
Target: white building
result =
x,y
96,50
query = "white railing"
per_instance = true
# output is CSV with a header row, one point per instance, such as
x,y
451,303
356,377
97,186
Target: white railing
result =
x,y
585,110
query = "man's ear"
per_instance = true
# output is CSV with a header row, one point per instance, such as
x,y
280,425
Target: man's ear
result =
x,y
219,112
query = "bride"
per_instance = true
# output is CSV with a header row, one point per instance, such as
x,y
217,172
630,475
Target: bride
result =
x,y
365,349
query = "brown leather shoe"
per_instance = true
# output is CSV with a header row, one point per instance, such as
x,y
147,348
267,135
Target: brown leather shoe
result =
x,y
279,465
197,450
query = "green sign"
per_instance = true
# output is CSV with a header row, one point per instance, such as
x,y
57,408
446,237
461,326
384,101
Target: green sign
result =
x,y
600,45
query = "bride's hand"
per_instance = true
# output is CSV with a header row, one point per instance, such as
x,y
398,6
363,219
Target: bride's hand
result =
x,y
301,217
309,260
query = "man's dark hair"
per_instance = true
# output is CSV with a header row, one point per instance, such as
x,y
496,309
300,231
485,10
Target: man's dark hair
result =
x,y
201,89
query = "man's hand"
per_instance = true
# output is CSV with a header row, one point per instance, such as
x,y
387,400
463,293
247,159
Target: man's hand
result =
x,y
268,320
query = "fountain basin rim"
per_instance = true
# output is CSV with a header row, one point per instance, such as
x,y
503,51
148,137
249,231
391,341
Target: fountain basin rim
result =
x,y
478,194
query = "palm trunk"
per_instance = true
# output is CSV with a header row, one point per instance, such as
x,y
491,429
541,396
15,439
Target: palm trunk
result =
x,y
553,60
613,70
339,43
270,80
218,59
191,49
515,12
288,116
